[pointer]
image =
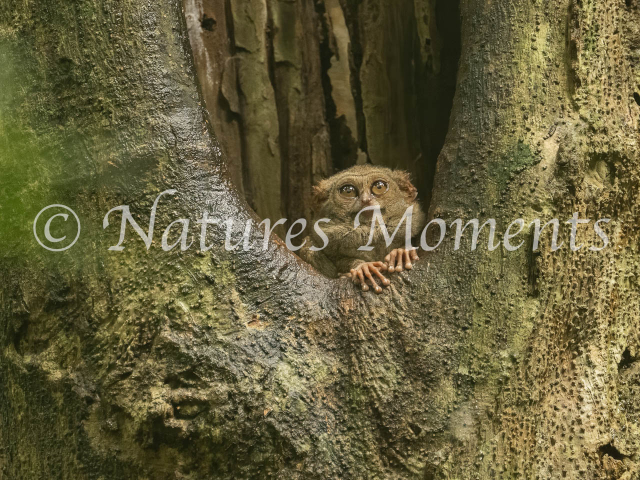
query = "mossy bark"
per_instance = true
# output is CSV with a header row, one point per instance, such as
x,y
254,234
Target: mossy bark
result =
x,y
249,364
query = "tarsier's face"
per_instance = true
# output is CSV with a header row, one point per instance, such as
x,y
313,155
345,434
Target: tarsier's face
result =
x,y
355,192
348,192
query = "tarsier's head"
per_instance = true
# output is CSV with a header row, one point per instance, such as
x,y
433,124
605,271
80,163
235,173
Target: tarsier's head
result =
x,y
343,195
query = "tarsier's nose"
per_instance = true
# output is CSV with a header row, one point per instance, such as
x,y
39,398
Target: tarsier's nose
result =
x,y
367,200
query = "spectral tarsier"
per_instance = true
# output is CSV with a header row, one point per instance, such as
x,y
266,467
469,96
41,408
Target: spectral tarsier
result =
x,y
339,199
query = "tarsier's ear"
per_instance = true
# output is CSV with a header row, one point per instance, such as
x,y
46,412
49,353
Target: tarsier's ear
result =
x,y
319,195
404,182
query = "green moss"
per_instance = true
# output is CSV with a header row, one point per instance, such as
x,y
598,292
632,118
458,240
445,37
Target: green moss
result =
x,y
518,159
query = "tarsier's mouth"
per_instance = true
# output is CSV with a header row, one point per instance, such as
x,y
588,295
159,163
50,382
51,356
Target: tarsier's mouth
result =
x,y
368,214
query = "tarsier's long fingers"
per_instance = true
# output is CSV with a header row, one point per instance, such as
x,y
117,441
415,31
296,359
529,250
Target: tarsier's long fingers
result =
x,y
364,274
375,268
357,274
395,260
399,258
391,260
410,255
367,273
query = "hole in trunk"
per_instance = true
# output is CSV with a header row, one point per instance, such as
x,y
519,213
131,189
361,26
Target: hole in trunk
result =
x,y
340,87
415,428
636,97
425,69
626,360
207,23
441,87
612,451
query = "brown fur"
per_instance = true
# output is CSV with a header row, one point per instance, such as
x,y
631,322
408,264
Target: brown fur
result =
x,y
342,254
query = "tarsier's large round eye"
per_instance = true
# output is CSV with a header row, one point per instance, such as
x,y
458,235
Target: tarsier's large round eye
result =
x,y
379,187
348,191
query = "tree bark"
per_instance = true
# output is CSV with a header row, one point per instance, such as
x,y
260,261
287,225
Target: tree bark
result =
x,y
249,364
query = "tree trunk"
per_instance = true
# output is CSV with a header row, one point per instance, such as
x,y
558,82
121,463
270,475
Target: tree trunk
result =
x,y
249,364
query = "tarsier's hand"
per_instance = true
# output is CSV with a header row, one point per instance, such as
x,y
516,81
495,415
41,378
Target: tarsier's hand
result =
x,y
400,256
365,272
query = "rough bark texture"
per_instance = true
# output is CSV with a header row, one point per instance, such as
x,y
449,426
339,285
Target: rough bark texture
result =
x,y
249,364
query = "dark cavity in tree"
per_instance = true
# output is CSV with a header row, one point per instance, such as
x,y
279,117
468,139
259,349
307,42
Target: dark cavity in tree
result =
x,y
415,428
612,451
435,78
636,97
441,88
207,22
626,360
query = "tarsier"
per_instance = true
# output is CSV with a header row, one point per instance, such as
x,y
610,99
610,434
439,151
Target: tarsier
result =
x,y
339,199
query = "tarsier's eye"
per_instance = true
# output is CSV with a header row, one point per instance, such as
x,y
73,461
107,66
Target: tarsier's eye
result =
x,y
379,188
348,191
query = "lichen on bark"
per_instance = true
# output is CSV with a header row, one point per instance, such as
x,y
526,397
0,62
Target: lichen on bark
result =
x,y
248,364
